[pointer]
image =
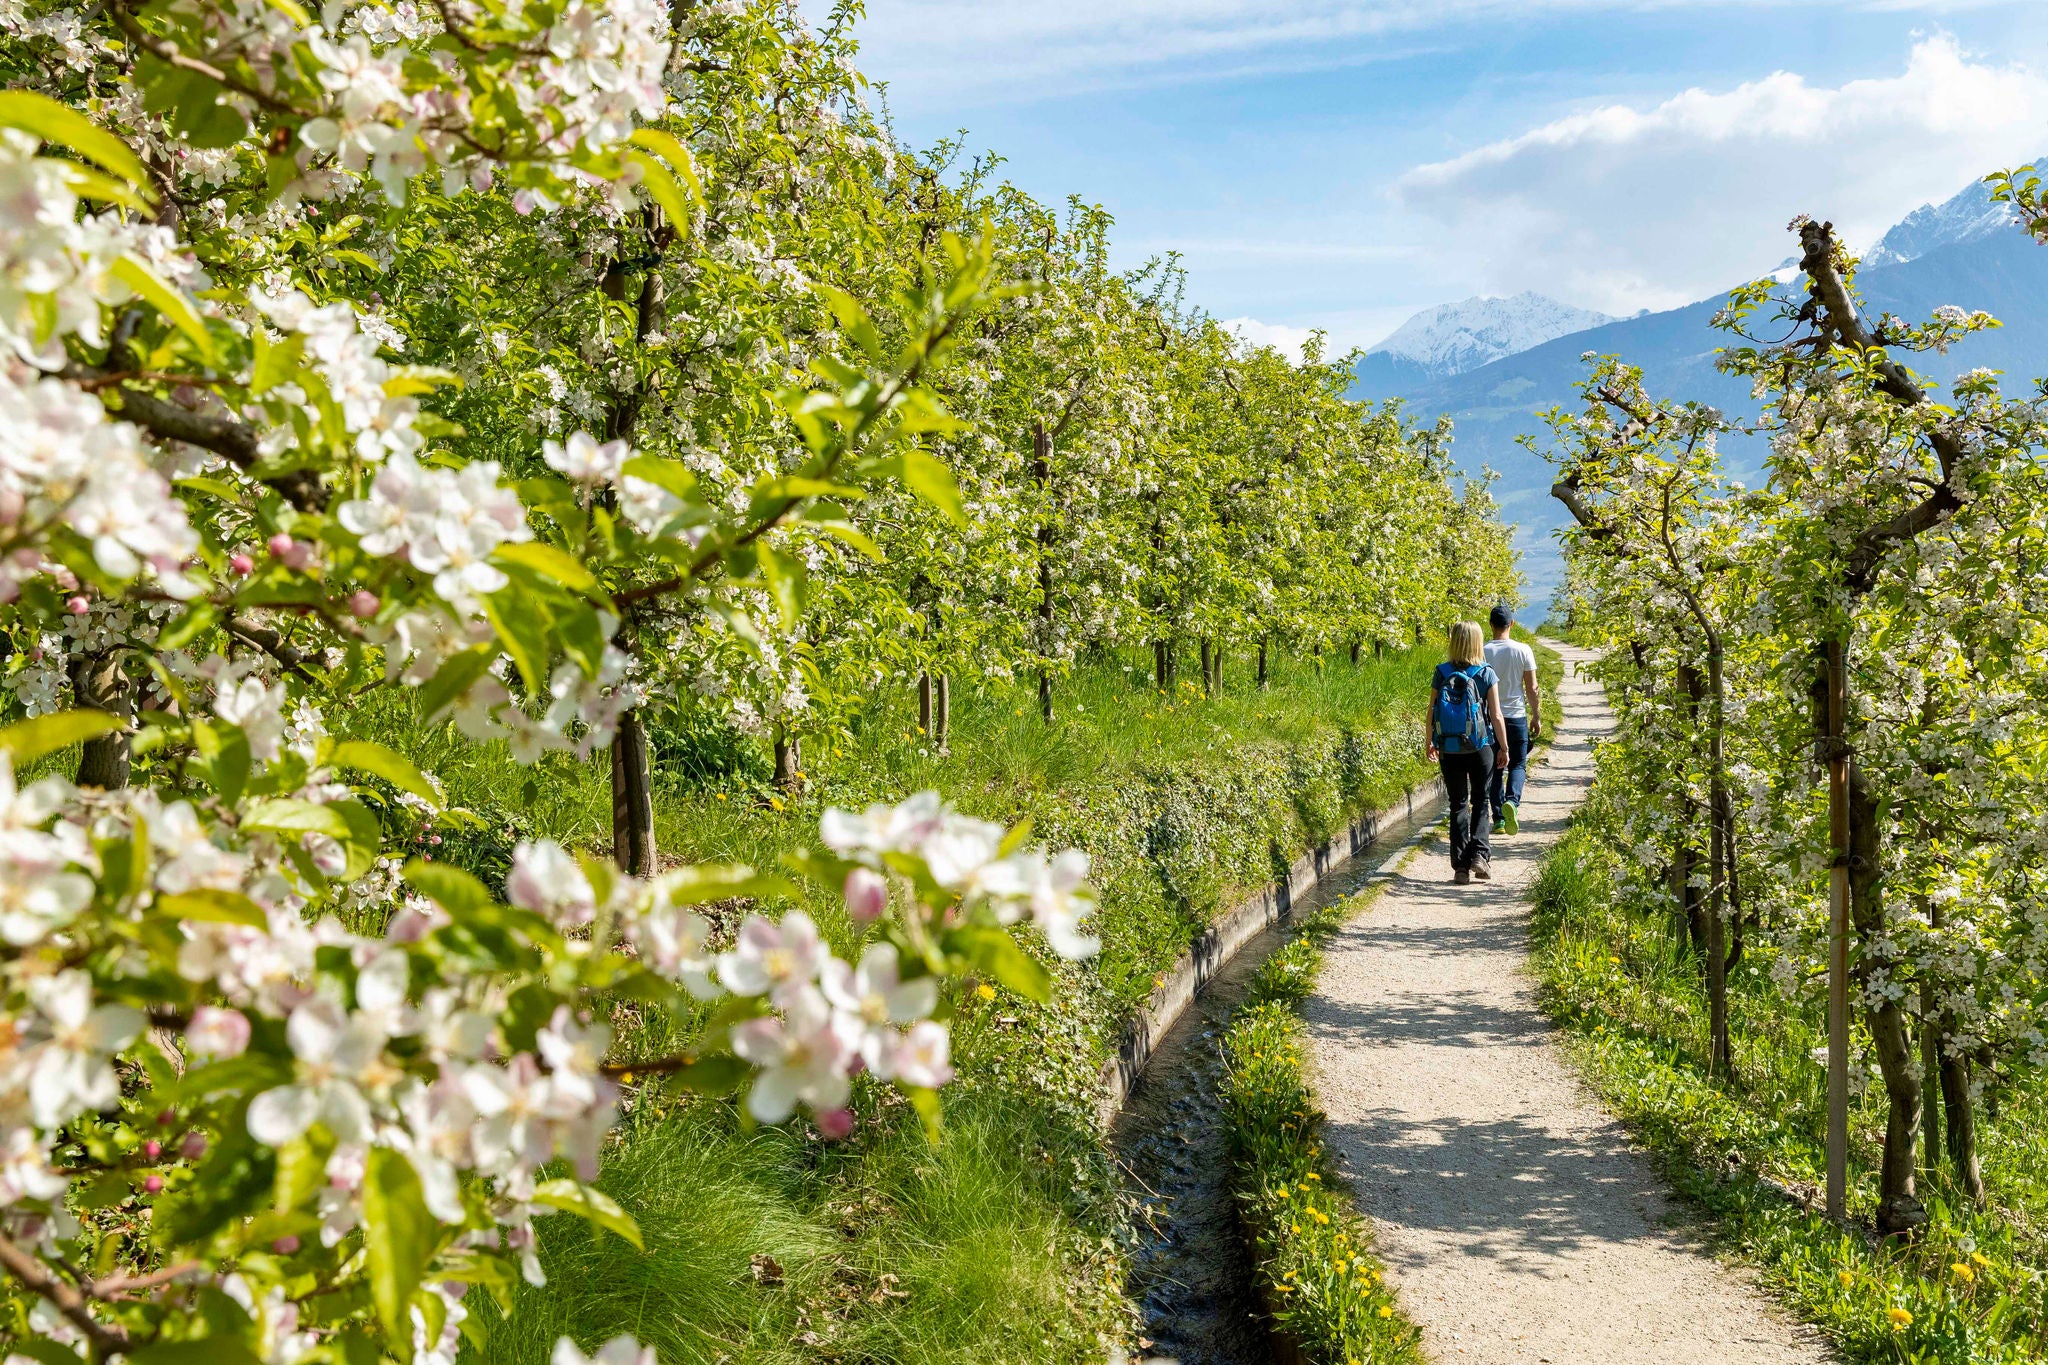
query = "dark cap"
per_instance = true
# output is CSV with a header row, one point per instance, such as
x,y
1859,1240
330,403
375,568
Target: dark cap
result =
x,y
1501,617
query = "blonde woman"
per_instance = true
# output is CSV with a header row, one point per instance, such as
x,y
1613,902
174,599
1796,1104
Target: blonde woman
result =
x,y
1468,738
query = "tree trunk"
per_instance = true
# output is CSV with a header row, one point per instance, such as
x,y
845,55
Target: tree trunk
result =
x,y
1041,473
1688,910
926,720
1898,1209
1961,1118
632,798
1379,649
789,762
1717,872
1216,667
942,716
1160,679
1356,646
1833,689
1208,669
1930,1082
99,683
632,770
1262,665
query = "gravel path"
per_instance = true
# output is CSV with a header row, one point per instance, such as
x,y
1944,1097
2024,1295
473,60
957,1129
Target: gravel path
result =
x,y
1515,1219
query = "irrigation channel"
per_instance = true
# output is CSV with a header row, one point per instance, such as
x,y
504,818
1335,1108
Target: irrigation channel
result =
x,y
1192,1272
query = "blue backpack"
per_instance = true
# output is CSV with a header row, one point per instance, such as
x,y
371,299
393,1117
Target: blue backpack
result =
x,y
1457,717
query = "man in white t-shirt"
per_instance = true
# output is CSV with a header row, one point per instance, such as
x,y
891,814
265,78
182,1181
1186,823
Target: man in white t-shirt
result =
x,y
1521,706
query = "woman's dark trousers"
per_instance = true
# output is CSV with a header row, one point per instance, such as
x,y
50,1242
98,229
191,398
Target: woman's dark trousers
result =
x,y
1465,778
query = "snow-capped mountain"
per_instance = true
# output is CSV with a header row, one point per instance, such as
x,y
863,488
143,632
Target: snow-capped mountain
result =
x,y
1452,338
1964,218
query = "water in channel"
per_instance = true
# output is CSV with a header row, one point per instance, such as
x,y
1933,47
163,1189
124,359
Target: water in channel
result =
x,y
1192,1272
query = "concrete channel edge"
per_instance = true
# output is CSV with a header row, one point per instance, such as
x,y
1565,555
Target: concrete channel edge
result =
x,y
1230,931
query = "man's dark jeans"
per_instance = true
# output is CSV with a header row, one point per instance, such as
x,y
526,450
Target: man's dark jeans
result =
x,y
1465,779
1506,783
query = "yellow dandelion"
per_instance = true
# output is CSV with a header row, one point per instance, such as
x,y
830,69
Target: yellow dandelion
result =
x,y
1845,1277
1963,1273
1981,1259
1386,1310
1295,1228
1614,962
985,991
1899,1318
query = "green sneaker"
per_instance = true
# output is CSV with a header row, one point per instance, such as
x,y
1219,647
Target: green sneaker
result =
x,y
1500,826
1510,819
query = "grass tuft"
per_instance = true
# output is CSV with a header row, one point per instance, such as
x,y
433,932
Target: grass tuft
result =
x,y
1968,1290
1312,1254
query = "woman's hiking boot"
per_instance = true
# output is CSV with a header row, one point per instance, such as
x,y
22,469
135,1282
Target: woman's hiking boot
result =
x,y
1482,872
1461,877
1511,818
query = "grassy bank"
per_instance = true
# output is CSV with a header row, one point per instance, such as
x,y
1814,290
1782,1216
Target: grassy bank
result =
x,y
1001,1241
1750,1150
1311,1251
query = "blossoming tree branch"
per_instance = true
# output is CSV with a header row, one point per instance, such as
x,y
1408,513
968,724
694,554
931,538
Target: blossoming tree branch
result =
x,y
261,1085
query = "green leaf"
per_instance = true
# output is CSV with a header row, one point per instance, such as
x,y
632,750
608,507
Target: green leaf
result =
x,y
671,475
224,758
453,679
591,1205
54,122
787,581
583,636
454,890
706,882
676,154
551,563
219,1348
399,1236
276,361
287,815
992,952
853,320
414,379
523,633
28,740
198,618
176,308
929,1108
718,1074
661,185
214,907
928,477
368,756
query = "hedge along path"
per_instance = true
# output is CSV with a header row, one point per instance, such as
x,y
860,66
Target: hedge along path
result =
x,y
1516,1221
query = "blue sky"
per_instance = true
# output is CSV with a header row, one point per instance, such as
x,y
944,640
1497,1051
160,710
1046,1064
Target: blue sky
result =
x,y
1343,163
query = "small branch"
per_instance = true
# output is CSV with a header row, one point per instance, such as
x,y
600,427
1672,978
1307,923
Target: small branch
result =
x,y
64,1296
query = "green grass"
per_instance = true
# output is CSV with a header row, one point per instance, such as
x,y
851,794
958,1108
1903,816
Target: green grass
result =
x,y
1631,1001
1311,1252
769,1245
1003,1237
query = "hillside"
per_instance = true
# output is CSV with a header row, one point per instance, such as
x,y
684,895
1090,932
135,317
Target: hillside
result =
x,y
1958,252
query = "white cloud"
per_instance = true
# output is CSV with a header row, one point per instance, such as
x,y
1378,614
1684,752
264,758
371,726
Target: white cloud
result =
x,y
963,51
1287,340
1618,208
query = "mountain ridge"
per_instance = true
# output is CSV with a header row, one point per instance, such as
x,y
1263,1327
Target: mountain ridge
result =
x,y
1958,252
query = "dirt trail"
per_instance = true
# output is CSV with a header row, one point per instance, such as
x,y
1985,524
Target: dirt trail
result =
x,y
1516,1221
